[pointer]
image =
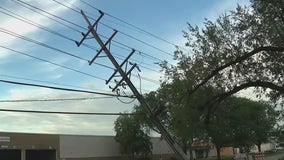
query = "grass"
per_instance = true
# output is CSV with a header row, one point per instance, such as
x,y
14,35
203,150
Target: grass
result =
x,y
215,158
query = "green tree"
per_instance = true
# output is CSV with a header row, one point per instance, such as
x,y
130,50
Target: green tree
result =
x,y
239,50
132,137
185,120
253,121
242,122
177,112
220,128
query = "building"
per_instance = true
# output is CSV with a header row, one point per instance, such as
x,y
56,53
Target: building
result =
x,y
26,146
23,146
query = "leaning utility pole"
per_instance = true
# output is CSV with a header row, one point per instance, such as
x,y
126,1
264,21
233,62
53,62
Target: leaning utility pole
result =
x,y
155,120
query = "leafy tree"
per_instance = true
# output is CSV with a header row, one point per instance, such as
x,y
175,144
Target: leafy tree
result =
x,y
239,50
177,112
263,122
220,128
184,117
132,138
242,122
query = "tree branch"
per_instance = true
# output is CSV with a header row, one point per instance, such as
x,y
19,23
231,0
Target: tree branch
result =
x,y
264,84
237,60
219,98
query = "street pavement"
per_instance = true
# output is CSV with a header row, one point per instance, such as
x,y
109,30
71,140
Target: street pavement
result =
x,y
275,157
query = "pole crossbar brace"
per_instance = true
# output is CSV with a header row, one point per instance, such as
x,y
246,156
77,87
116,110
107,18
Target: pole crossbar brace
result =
x,y
126,59
180,155
128,73
96,23
102,48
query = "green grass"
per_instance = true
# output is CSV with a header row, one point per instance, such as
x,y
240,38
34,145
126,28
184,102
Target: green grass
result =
x,y
215,158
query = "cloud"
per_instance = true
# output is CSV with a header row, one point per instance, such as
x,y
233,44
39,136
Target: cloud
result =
x,y
224,6
58,123
9,24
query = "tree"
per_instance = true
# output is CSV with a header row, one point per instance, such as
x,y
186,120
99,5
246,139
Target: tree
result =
x,y
131,136
177,112
239,50
185,119
264,121
220,128
242,122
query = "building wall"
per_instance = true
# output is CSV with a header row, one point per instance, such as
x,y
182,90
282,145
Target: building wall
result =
x,y
29,143
103,148
88,146
227,151
74,147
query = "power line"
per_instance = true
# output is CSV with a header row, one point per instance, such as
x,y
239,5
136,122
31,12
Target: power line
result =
x,y
41,81
66,85
53,32
133,26
63,89
52,100
40,43
45,28
70,113
141,41
21,18
68,68
31,7
56,33
48,30
152,46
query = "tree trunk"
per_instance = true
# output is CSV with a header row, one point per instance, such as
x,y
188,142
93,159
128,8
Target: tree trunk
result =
x,y
218,149
190,152
184,148
259,147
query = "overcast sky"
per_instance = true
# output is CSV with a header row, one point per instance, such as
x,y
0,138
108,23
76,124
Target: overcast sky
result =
x,y
37,46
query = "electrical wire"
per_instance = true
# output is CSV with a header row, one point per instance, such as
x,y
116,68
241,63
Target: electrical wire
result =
x,y
68,68
133,26
69,113
41,81
3,30
134,38
58,34
43,60
34,8
52,100
21,18
50,31
125,102
12,33
63,89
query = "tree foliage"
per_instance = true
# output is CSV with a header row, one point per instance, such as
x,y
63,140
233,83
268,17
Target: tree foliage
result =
x,y
239,50
241,122
132,138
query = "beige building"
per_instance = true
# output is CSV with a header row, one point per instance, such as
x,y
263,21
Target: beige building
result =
x,y
23,146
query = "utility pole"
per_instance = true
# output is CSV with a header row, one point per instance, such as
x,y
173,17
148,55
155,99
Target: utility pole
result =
x,y
155,120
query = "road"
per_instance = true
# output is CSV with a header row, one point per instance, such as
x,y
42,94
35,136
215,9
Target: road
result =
x,y
275,157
